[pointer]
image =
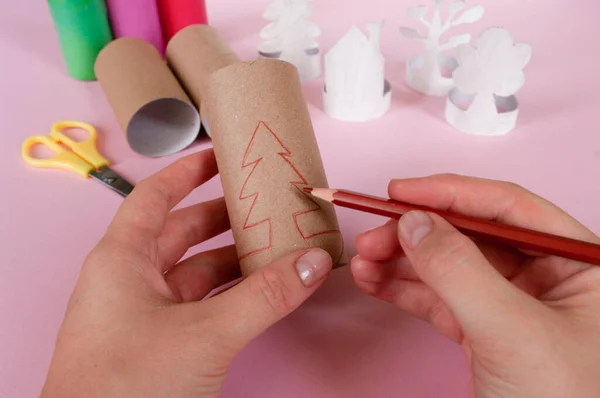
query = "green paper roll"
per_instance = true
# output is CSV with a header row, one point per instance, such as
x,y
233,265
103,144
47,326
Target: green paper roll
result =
x,y
83,30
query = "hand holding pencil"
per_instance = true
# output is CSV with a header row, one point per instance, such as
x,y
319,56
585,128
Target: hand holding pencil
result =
x,y
529,324
495,232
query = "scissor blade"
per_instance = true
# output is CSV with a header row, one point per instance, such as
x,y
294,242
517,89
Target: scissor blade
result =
x,y
113,181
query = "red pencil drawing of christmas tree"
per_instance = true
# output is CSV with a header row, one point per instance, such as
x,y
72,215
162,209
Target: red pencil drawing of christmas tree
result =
x,y
268,159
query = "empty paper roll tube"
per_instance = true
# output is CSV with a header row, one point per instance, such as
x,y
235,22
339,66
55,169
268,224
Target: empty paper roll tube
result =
x,y
193,54
152,108
178,14
267,153
137,18
83,29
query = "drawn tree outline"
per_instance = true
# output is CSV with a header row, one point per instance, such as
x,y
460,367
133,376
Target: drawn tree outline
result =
x,y
493,68
430,72
273,151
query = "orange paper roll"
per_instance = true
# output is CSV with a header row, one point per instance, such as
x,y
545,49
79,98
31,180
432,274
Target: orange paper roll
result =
x,y
267,153
150,105
196,52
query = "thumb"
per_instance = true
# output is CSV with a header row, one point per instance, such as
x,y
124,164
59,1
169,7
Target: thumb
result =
x,y
268,295
455,269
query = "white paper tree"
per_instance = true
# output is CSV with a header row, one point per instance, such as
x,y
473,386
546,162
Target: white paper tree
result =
x,y
424,72
487,77
291,37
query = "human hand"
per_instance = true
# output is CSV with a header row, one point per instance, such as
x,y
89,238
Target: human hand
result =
x,y
136,324
529,324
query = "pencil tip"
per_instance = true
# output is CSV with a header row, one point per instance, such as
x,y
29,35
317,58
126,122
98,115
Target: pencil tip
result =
x,y
322,193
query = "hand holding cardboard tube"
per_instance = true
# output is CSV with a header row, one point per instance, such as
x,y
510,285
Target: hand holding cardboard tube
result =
x,y
134,315
265,147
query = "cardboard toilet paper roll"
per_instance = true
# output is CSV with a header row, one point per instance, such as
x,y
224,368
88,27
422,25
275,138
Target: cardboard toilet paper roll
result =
x,y
196,52
137,18
267,153
177,14
83,29
149,103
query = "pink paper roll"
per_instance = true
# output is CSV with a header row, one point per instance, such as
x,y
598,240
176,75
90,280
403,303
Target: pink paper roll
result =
x,y
137,18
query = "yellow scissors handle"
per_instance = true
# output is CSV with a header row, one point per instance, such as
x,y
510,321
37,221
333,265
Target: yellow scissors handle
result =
x,y
84,149
62,160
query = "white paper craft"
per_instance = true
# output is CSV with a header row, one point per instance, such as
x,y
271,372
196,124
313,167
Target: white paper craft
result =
x,y
486,80
425,72
291,37
355,86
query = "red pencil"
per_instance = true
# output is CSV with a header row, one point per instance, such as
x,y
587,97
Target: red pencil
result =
x,y
516,237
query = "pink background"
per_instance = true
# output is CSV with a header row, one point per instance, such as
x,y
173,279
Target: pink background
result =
x,y
341,343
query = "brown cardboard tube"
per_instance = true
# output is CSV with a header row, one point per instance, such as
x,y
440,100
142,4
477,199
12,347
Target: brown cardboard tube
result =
x,y
194,53
149,103
267,152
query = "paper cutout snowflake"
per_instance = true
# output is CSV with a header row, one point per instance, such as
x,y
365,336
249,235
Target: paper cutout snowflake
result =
x,y
424,72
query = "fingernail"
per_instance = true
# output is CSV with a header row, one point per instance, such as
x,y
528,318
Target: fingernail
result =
x,y
414,226
313,266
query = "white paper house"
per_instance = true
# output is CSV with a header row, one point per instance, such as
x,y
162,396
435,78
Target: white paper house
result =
x,y
355,85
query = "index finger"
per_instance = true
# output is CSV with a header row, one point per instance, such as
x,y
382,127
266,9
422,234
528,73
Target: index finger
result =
x,y
491,200
145,210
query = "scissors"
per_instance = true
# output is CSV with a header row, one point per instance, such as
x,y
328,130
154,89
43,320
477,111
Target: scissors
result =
x,y
83,157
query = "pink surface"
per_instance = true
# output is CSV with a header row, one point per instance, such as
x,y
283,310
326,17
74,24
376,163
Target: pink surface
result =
x,y
341,343
136,18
